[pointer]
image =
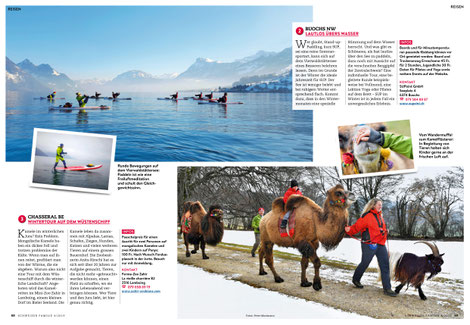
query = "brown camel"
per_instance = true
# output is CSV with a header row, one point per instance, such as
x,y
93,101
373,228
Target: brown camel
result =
x,y
204,227
313,225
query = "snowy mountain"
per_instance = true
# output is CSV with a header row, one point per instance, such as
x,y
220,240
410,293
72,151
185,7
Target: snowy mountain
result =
x,y
134,75
202,74
20,80
261,63
48,76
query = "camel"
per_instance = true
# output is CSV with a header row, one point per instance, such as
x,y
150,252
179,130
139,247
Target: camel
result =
x,y
367,157
205,227
313,225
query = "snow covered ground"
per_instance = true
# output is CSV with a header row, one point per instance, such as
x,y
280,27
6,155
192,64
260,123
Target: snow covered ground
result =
x,y
349,250
239,300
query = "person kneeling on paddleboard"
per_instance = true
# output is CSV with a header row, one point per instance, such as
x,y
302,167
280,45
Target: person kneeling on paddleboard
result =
x,y
82,100
51,96
58,155
199,95
174,96
222,99
211,95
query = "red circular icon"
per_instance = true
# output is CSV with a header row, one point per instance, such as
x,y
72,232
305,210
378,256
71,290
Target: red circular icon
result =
x,y
299,30
22,219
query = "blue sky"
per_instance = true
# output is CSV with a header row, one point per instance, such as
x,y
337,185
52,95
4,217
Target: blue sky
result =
x,y
101,42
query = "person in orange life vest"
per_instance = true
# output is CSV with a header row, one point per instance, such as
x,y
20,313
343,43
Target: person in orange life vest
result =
x,y
373,230
222,99
294,189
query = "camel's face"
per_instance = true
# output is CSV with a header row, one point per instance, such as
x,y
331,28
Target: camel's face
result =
x,y
365,152
339,196
217,214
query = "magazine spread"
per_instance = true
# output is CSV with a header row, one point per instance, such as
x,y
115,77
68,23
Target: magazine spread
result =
x,y
233,160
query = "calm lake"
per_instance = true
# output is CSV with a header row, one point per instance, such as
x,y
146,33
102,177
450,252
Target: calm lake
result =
x,y
264,128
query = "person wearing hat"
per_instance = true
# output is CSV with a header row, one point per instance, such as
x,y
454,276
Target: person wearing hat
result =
x,y
255,225
51,96
82,100
293,189
58,156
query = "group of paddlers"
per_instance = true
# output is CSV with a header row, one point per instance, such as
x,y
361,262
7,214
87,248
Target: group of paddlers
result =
x,y
81,99
200,96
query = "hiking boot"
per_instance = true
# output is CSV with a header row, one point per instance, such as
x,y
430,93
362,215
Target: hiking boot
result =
x,y
358,284
284,224
390,292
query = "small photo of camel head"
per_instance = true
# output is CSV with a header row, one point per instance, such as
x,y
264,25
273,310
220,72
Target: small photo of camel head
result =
x,y
374,149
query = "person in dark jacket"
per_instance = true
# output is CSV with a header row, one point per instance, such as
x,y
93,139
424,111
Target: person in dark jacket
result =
x,y
255,225
293,189
373,231
223,99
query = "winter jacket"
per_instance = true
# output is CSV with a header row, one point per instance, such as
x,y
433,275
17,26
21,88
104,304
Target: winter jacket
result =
x,y
372,227
255,223
289,192
398,143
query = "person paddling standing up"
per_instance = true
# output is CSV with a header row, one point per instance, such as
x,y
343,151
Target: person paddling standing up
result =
x,y
374,236
58,155
293,189
222,99
255,225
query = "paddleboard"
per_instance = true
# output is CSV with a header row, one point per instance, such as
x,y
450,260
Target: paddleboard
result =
x,y
49,98
75,108
79,168
168,98
111,98
217,103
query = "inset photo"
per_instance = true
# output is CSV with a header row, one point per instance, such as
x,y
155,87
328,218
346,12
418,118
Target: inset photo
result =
x,y
72,161
374,149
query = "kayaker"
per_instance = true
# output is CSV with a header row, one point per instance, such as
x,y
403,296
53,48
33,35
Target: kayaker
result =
x,y
58,155
199,95
115,95
222,99
210,96
82,100
174,96
51,96
97,94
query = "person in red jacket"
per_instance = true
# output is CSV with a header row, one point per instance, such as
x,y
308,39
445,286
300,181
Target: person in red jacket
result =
x,y
293,189
373,231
